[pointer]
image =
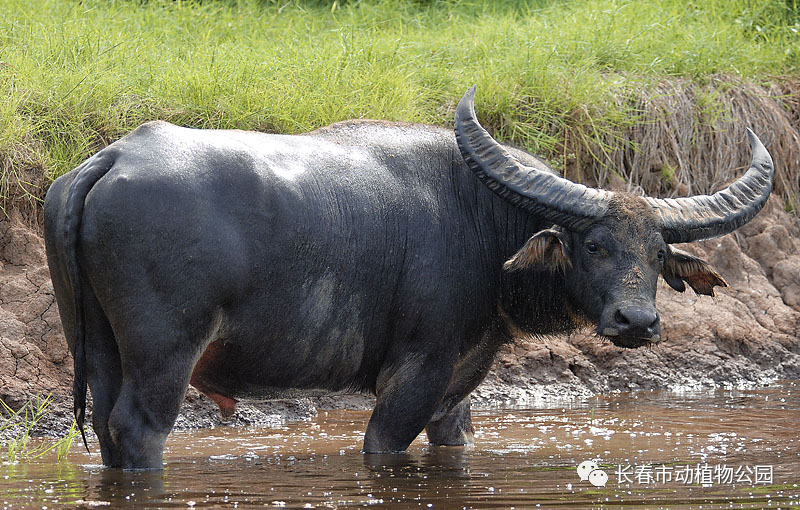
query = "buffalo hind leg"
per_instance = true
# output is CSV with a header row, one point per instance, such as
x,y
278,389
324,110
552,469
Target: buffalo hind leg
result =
x,y
140,422
409,393
104,375
158,357
454,428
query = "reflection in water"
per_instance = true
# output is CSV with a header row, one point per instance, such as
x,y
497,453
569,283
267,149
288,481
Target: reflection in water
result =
x,y
118,485
647,443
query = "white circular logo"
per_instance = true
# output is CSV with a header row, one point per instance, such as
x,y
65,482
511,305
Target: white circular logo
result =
x,y
598,478
586,467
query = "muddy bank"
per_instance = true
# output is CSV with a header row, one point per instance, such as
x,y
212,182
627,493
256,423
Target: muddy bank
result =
x,y
747,335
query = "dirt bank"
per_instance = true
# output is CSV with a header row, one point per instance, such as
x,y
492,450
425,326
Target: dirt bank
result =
x,y
747,335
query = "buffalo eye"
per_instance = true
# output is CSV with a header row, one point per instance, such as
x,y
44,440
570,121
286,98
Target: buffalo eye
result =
x,y
662,255
592,248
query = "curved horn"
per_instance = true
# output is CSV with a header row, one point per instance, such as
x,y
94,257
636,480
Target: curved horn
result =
x,y
561,201
703,216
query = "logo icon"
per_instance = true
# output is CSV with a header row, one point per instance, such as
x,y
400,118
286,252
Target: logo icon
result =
x,y
588,470
585,468
598,478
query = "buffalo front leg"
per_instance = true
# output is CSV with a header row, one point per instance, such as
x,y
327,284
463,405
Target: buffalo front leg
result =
x,y
451,425
454,428
409,392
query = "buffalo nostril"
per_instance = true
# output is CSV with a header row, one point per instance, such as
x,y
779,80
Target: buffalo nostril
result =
x,y
621,319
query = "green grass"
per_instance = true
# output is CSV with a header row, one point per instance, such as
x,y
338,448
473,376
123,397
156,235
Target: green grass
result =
x,y
75,76
23,423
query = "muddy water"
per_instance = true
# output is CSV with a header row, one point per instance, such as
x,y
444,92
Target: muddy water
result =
x,y
722,449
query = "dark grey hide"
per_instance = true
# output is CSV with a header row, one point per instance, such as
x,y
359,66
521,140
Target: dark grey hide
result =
x,y
361,257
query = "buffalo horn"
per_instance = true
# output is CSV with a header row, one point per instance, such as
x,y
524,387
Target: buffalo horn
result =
x,y
575,206
561,201
702,216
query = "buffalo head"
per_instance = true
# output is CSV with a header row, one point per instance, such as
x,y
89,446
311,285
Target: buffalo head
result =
x,y
612,246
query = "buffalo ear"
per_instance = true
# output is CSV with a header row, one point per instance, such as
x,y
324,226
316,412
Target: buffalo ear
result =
x,y
545,250
685,267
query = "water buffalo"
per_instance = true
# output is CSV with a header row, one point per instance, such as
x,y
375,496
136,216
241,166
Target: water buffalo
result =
x,y
366,256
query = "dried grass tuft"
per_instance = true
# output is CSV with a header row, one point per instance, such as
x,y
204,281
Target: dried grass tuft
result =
x,y
690,139
23,185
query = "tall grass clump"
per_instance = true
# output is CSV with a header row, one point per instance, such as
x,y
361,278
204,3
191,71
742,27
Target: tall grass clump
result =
x,y
561,78
18,427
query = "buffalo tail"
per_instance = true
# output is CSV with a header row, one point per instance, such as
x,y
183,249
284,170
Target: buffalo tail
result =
x,y
92,171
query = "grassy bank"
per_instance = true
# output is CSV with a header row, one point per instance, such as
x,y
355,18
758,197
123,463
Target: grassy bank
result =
x,y
572,80
18,429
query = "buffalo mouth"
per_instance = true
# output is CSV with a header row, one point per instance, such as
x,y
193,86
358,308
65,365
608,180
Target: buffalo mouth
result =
x,y
630,325
628,341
